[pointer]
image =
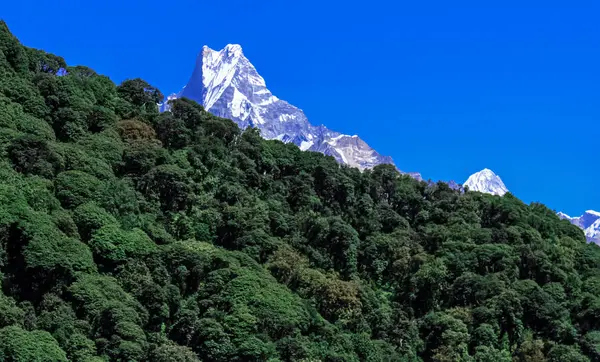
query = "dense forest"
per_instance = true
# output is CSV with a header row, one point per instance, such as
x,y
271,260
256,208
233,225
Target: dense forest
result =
x,y
131,235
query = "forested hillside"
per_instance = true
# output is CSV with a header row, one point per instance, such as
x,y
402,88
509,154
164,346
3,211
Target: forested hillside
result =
x,y
129,235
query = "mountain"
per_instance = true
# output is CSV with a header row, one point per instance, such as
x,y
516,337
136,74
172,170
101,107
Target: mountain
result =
x,y
144,238
486,181
228,86
589,222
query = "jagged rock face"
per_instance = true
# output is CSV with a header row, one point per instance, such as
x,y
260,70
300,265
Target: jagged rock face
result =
x,y
486,181
589,222
228,85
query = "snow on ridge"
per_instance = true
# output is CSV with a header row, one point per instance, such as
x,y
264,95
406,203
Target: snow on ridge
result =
x,y
593,231
587,219
216,71
237,104
286,117
333,140
305,145
233,48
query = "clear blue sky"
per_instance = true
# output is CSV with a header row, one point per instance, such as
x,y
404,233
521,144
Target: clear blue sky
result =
x,y
445,88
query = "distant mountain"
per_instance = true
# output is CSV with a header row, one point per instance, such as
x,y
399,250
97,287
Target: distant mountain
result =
x,y
589,222
486,181
453,185
228,85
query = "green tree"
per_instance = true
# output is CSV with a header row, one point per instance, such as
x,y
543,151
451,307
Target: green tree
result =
x,y
17,344
170,352
31,155
114,244
74,188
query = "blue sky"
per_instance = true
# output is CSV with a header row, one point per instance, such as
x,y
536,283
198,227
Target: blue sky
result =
x,y
445,88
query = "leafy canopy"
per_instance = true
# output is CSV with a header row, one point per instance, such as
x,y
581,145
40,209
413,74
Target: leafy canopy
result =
x,y
130,235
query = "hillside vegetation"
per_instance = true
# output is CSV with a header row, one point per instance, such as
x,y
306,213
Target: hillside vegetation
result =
x,y
129,235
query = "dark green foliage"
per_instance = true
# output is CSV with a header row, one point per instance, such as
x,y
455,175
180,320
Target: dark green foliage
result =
x,y
129,235
73,188
114,244
168,185
171,352
32,155
172,131
137,98
10,313
77,159
89,218
20,345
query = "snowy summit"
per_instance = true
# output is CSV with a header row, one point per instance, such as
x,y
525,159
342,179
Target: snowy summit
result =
x,y
486,181
228,85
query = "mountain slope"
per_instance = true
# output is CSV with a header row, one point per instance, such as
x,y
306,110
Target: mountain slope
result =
x,y
132,235
228,85
486,181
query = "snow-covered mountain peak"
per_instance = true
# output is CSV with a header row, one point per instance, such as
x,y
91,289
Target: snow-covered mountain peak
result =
x,y
231,53
228,85
486,181
233,49
228,50
206,50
